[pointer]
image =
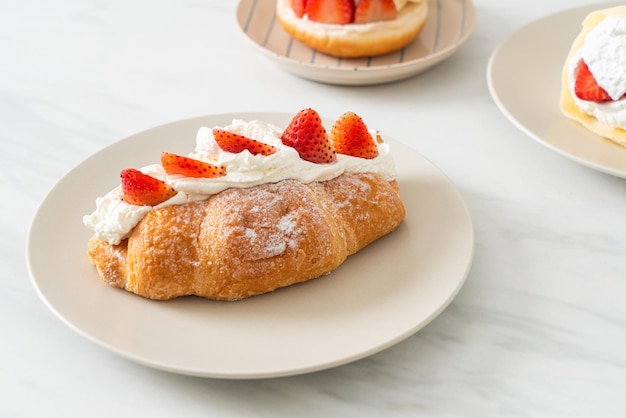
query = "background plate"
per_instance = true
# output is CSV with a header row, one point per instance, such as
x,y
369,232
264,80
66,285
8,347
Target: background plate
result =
x,y
449,25
528,94
378,297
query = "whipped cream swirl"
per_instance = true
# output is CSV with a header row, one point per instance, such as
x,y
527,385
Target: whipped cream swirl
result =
x,y
604,52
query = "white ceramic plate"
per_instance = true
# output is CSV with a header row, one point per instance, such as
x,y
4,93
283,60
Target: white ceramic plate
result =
x,y
524,78
378,297
449,25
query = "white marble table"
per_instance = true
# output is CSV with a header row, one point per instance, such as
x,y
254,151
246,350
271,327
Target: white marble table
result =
x,y
539,329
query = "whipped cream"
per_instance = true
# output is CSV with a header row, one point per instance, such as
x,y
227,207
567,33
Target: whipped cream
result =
x,y
604,52
113,219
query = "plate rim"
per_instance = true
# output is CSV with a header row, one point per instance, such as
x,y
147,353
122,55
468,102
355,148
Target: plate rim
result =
x,y
235,375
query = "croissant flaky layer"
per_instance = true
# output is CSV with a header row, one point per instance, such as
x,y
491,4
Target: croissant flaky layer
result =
x,y
244,242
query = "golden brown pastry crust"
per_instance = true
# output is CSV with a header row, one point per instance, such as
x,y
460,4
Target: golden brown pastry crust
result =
x,y
567,103
244,242
354,44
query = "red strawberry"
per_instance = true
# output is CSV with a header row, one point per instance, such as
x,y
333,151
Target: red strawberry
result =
x,y
586,87
338,12
374,11
232,142
306,135
351,137
189,167
143,190
298,7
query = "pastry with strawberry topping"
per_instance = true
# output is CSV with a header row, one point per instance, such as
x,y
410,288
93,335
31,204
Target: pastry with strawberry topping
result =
x,y
593,90
252,209
353,28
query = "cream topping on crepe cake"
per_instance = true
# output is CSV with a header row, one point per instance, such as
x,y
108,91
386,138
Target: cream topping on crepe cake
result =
x,y
604,52
113,218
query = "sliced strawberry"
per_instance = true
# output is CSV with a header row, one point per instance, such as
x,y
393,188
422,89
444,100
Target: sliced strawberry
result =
x,y
143,190
189,167
586,87
232,142
298,7
374,11
338,12
350,136
306,135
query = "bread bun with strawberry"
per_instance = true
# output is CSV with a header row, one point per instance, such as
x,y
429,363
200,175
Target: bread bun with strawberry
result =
x,y
593,86
353,28
253,209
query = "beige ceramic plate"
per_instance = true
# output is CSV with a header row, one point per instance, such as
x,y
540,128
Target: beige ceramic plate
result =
x,y
378,297
524,77
449,25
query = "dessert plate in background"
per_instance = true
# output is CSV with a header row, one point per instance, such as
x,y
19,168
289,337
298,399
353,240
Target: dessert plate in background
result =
x,y
524,78
448,26
378,297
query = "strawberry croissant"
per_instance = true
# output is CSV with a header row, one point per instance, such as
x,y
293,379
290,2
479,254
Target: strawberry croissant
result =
x,y
201,229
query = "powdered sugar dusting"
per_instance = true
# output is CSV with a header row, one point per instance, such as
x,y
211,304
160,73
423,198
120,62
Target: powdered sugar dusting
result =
x,y
286,223
269,232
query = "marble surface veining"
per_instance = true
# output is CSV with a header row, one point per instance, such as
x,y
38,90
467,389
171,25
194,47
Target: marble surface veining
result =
x,y
538,330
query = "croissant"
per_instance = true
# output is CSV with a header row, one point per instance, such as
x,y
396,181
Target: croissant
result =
x,y
244,242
